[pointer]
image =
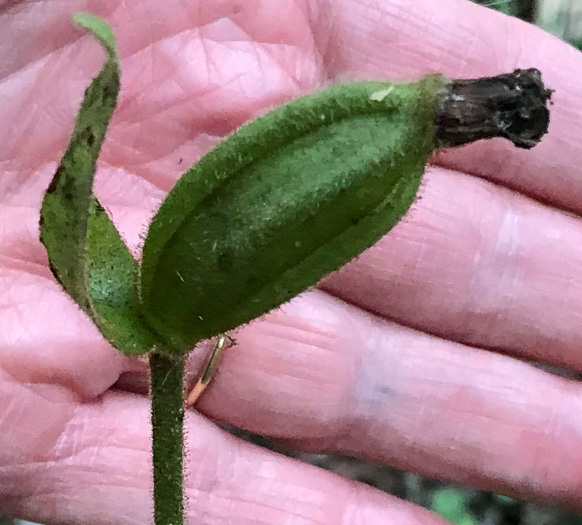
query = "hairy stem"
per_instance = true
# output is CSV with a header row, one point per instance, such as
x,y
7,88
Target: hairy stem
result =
x,y
167,393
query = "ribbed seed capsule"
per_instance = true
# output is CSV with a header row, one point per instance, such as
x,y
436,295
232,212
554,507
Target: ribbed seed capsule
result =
x,y
284,201
299,192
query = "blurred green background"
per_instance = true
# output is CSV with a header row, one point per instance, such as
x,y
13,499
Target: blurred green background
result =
x,y
563,18
459,505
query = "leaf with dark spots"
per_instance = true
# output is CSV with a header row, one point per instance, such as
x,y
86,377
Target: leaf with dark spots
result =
x,y
86,253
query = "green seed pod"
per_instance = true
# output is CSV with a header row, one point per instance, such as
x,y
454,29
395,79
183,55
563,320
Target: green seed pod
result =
x,y
286,200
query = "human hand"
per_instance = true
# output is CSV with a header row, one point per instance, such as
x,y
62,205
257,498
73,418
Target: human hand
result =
x,y
402,357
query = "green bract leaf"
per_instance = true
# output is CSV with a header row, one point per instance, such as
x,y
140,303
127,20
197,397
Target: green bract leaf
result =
x,y
282,202
86,253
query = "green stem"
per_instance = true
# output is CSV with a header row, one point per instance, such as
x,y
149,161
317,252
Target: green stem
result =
x,y
167,393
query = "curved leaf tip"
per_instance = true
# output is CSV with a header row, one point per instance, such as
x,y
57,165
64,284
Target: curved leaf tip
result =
x,y
86,253
100,30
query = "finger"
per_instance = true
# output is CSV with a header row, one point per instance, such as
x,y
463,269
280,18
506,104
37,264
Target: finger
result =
x,y
463,40
46,339
189,75
480,265
90,463
327,377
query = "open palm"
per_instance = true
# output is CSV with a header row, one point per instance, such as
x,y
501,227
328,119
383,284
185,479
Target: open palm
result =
x,y
406,356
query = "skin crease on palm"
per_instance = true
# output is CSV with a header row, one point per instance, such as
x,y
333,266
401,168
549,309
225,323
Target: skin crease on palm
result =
x,y
407,356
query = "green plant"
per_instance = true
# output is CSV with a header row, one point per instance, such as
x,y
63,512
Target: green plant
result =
x,y
507,7
275,207
451,504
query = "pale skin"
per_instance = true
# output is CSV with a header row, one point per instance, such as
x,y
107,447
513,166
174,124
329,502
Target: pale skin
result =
x,y
407,356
